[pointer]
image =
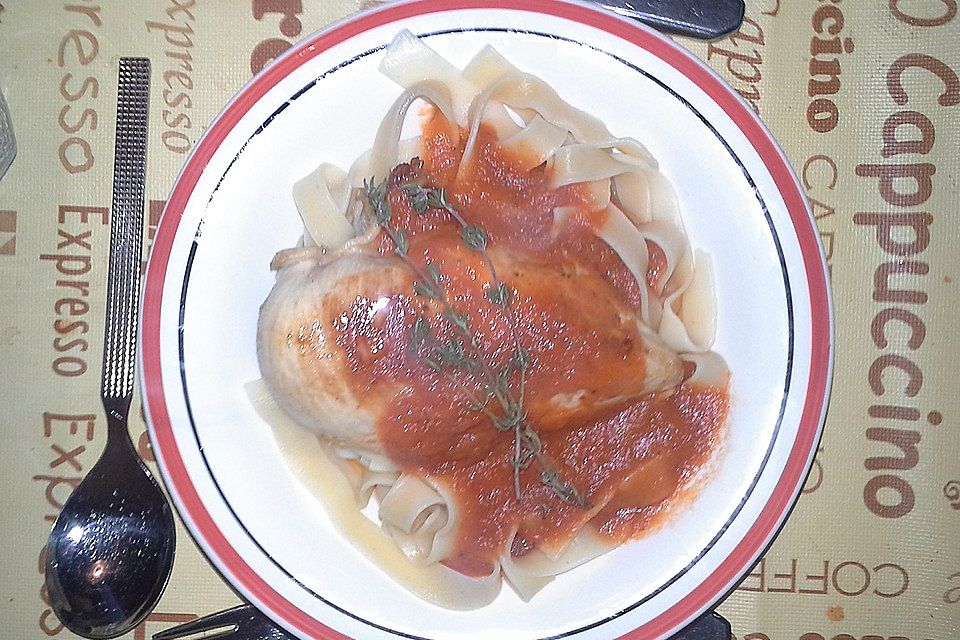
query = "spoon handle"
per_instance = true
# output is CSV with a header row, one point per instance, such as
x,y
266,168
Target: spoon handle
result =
x,y
126,231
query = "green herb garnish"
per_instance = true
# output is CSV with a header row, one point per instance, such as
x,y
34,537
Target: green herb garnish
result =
x,y
498,399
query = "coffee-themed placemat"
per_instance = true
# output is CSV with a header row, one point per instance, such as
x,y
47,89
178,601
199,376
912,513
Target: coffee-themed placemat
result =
x,y
864,98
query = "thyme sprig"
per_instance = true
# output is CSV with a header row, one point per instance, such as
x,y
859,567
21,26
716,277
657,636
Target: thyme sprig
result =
x,y
496,398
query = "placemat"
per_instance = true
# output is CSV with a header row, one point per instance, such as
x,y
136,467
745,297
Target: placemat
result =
x,y
863,96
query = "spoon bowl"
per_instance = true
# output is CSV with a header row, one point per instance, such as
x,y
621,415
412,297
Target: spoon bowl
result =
x,y
111,549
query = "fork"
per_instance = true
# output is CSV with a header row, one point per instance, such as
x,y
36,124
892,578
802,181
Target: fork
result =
x,y
240,623
246,623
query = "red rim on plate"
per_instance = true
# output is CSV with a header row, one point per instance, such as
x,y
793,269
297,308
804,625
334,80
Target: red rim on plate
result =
x,y
798,463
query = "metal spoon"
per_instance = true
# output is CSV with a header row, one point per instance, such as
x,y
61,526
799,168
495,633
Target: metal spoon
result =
x,y
111,549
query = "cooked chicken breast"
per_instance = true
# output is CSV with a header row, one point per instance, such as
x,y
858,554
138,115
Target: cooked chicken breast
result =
x,y
331,323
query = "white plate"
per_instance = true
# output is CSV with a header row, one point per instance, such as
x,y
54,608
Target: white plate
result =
x,y
232,208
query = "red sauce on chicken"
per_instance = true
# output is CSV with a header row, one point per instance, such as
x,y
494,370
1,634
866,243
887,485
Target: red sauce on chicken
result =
x,y
629,457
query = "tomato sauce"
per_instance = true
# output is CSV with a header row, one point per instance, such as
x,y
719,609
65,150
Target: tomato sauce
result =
x,y
630,457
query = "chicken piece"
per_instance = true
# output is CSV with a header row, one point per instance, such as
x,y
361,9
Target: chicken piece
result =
x,y
333,338
300,360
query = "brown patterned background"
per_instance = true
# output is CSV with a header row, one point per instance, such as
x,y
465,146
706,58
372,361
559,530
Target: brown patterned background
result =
x,y
864,97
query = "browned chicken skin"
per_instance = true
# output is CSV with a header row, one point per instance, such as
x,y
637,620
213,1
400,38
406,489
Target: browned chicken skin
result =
x,y
334,335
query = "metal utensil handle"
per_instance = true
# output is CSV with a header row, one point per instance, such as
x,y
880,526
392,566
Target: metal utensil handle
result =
x,y
706,19
126,228
247,623
239,623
